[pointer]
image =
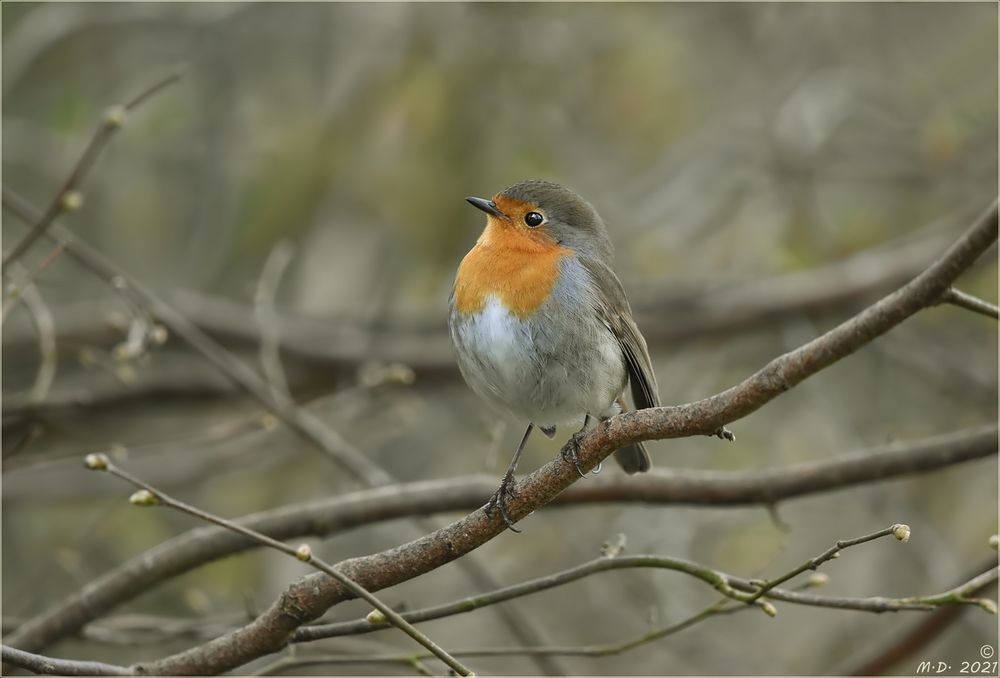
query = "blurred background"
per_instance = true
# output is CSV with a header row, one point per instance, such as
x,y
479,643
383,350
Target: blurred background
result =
x,y
765,170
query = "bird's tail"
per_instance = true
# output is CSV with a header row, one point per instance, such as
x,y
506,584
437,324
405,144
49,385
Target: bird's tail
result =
x,y
633,459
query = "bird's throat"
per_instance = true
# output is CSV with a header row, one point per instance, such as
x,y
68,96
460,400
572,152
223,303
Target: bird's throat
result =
x,y
519,271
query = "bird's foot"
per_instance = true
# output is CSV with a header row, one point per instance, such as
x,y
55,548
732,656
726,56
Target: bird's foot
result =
x,y
570,451
498,502
723,433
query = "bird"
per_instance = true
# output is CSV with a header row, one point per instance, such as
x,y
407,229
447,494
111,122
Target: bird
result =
x,y
541,325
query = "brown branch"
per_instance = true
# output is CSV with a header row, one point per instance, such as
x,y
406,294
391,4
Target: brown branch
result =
x,y
64,200
339,344
715,578
139,629
602,650
951,600
59,667
332,515
970,303
302,422
151,496
900,531
735,588
921,634
311,596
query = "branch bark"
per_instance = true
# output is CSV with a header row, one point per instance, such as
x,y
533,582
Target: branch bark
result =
x,y
340,344
330,516
59,667
308,598
970,303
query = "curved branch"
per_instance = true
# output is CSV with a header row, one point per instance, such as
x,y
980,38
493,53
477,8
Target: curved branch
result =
x,y
312,595
729,585
339,344
921,635
708,575
151,496
302,422
336,514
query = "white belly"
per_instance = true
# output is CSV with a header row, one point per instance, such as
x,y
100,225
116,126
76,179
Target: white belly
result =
x,y
536,370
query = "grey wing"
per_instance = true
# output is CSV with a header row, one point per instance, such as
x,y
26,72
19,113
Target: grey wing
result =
x,y
612,305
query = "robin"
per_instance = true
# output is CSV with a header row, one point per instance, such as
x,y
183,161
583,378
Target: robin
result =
x,y
541,325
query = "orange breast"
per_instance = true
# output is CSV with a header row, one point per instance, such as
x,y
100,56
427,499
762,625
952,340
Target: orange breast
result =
x,y
519,268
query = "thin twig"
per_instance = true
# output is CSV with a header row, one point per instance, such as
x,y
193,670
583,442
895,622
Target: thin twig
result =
x,y
662,487
64,199
736,588
958,595
918,637
44,324
267,319
302,422
14,292
137,629
411,560
666,318
603,650
311,596
969,302
902,533
100,462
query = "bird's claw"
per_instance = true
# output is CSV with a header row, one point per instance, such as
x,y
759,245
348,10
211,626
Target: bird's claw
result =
x,y
499,499
724,433
569,452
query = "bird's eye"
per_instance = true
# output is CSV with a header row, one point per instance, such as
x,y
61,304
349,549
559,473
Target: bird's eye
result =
x,y
533,219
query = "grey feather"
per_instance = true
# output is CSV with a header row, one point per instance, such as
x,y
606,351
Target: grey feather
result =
x,y
612,307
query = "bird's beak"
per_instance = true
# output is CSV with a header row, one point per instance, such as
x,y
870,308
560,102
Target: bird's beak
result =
x,y
487,206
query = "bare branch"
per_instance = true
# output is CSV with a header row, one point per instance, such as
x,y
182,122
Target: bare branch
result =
x,y
329,516
266,316
114,118
312,595
60,667
900,531
14,291
603,650
153,496
41,318
724,606
302,422
341,343
729,585
919,636
969,302
959,595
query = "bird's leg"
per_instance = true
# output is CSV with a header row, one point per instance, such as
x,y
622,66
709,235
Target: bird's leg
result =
x,y
572,447
506,490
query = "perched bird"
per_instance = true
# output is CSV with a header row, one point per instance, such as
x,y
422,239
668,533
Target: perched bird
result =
x,y
540,322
